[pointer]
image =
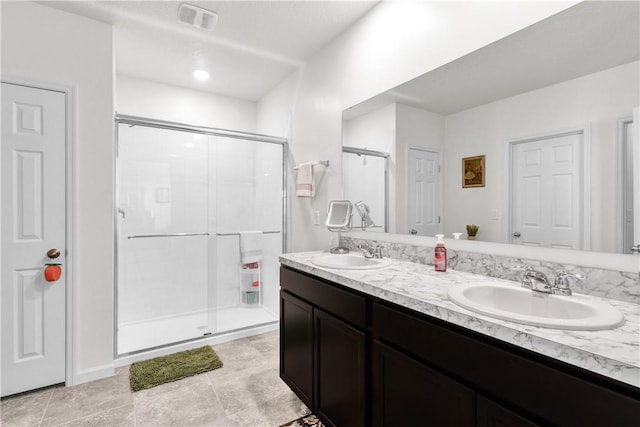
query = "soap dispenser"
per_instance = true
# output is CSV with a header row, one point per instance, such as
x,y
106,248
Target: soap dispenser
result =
x,y
440,254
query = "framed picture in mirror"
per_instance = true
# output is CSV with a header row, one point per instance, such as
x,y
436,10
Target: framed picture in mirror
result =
x,y
473,171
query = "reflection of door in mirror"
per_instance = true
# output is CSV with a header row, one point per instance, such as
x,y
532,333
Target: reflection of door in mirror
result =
x,y
636,179
365,179
423,192
547,197
626,186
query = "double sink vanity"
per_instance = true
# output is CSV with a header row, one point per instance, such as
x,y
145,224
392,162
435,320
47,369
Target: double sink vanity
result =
x,y
384,342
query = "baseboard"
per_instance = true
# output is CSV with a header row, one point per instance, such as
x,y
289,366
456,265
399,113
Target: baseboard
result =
x,y
97,373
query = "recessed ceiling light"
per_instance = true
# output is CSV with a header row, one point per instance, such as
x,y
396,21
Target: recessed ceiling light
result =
x,y
201,74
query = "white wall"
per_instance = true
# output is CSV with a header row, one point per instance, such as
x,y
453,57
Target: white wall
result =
x,y
159,101
598,100
49,46
395,42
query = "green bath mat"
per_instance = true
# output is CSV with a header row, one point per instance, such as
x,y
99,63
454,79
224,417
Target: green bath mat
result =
x,y
173,367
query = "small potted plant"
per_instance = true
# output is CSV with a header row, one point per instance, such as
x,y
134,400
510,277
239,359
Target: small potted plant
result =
x,y
472,230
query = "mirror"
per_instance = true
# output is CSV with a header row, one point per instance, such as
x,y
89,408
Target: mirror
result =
x,y
568,84
339,219
339,216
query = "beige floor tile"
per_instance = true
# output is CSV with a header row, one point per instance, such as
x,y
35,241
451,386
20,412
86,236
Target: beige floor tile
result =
x,y
25,410
70,403
194,405
116,417
253,387
246,391
237,356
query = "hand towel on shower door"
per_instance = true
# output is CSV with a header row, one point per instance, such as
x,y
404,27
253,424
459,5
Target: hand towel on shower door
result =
x,y
250,246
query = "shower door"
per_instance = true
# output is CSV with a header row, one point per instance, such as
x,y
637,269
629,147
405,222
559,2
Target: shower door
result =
x,y
248,186
162,221
183,197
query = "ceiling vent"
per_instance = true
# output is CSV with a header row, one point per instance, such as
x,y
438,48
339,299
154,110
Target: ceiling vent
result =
x,y
197,17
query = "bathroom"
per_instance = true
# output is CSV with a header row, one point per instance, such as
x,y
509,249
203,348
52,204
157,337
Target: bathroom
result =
x,y
305,107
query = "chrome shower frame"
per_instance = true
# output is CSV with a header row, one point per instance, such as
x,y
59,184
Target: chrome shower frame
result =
x,y
168,125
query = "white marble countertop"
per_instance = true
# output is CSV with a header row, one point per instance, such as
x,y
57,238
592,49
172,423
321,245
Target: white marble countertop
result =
x,y
613,353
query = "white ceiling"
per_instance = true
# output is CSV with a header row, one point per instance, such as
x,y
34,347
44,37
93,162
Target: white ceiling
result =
x,y
255,45
586,38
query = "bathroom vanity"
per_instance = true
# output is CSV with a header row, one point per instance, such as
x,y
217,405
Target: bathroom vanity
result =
x,y
385,347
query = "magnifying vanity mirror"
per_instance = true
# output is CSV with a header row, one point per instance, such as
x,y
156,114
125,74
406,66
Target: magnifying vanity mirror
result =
x,y
549,110
339,219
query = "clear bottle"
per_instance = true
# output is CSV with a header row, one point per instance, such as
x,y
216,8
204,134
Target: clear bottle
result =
x,y
440,254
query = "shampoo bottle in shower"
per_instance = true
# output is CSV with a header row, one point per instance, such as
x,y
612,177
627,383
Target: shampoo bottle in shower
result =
x,y
440,254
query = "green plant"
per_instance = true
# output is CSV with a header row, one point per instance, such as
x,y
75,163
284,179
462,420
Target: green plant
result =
x,y
472,229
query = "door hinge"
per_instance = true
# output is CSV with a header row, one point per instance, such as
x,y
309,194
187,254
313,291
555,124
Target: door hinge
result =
x,y
438,220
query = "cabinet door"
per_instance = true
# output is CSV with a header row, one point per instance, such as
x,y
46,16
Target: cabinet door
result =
x,y
340,372
407,393
490,414
296,346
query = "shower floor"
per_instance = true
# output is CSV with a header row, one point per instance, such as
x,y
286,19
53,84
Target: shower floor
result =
x,y
158,332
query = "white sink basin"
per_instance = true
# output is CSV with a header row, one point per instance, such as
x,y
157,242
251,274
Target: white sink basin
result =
x,y
350,262
575,312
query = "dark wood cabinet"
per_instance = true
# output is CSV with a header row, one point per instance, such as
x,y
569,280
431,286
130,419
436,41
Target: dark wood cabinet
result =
x,y
490,414
339,371
296,357
406,393
323,351
356,360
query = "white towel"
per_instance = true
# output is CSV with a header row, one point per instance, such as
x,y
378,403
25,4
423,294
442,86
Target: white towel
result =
x,y
305,185
250,246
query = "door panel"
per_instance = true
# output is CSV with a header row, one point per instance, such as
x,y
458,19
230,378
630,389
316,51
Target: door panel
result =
x,y
547,192
296,346
33,221
340,370
423,191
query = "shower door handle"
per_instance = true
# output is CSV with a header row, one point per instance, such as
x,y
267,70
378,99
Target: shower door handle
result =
x,y
146,236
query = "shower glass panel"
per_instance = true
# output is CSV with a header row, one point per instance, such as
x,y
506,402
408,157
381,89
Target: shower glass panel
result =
x,y
182,200
364,176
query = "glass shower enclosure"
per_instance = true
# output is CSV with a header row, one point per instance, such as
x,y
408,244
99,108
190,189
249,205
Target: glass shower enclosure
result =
x,y
184,196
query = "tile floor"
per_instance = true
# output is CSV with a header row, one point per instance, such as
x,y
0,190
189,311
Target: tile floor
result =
x,y
246,391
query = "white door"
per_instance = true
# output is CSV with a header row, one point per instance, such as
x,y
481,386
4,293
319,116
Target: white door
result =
x,y
33,221
547,191
423,192
627,192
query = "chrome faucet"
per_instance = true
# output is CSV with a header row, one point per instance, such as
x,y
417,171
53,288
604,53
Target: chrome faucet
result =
x,y
561,285
371,252
537,281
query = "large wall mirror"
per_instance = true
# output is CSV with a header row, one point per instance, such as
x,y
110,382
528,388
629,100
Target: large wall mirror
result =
x,y
531,138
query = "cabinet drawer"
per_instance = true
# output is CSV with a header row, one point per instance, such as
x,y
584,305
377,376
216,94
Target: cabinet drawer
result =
x,y
341,303
551,390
